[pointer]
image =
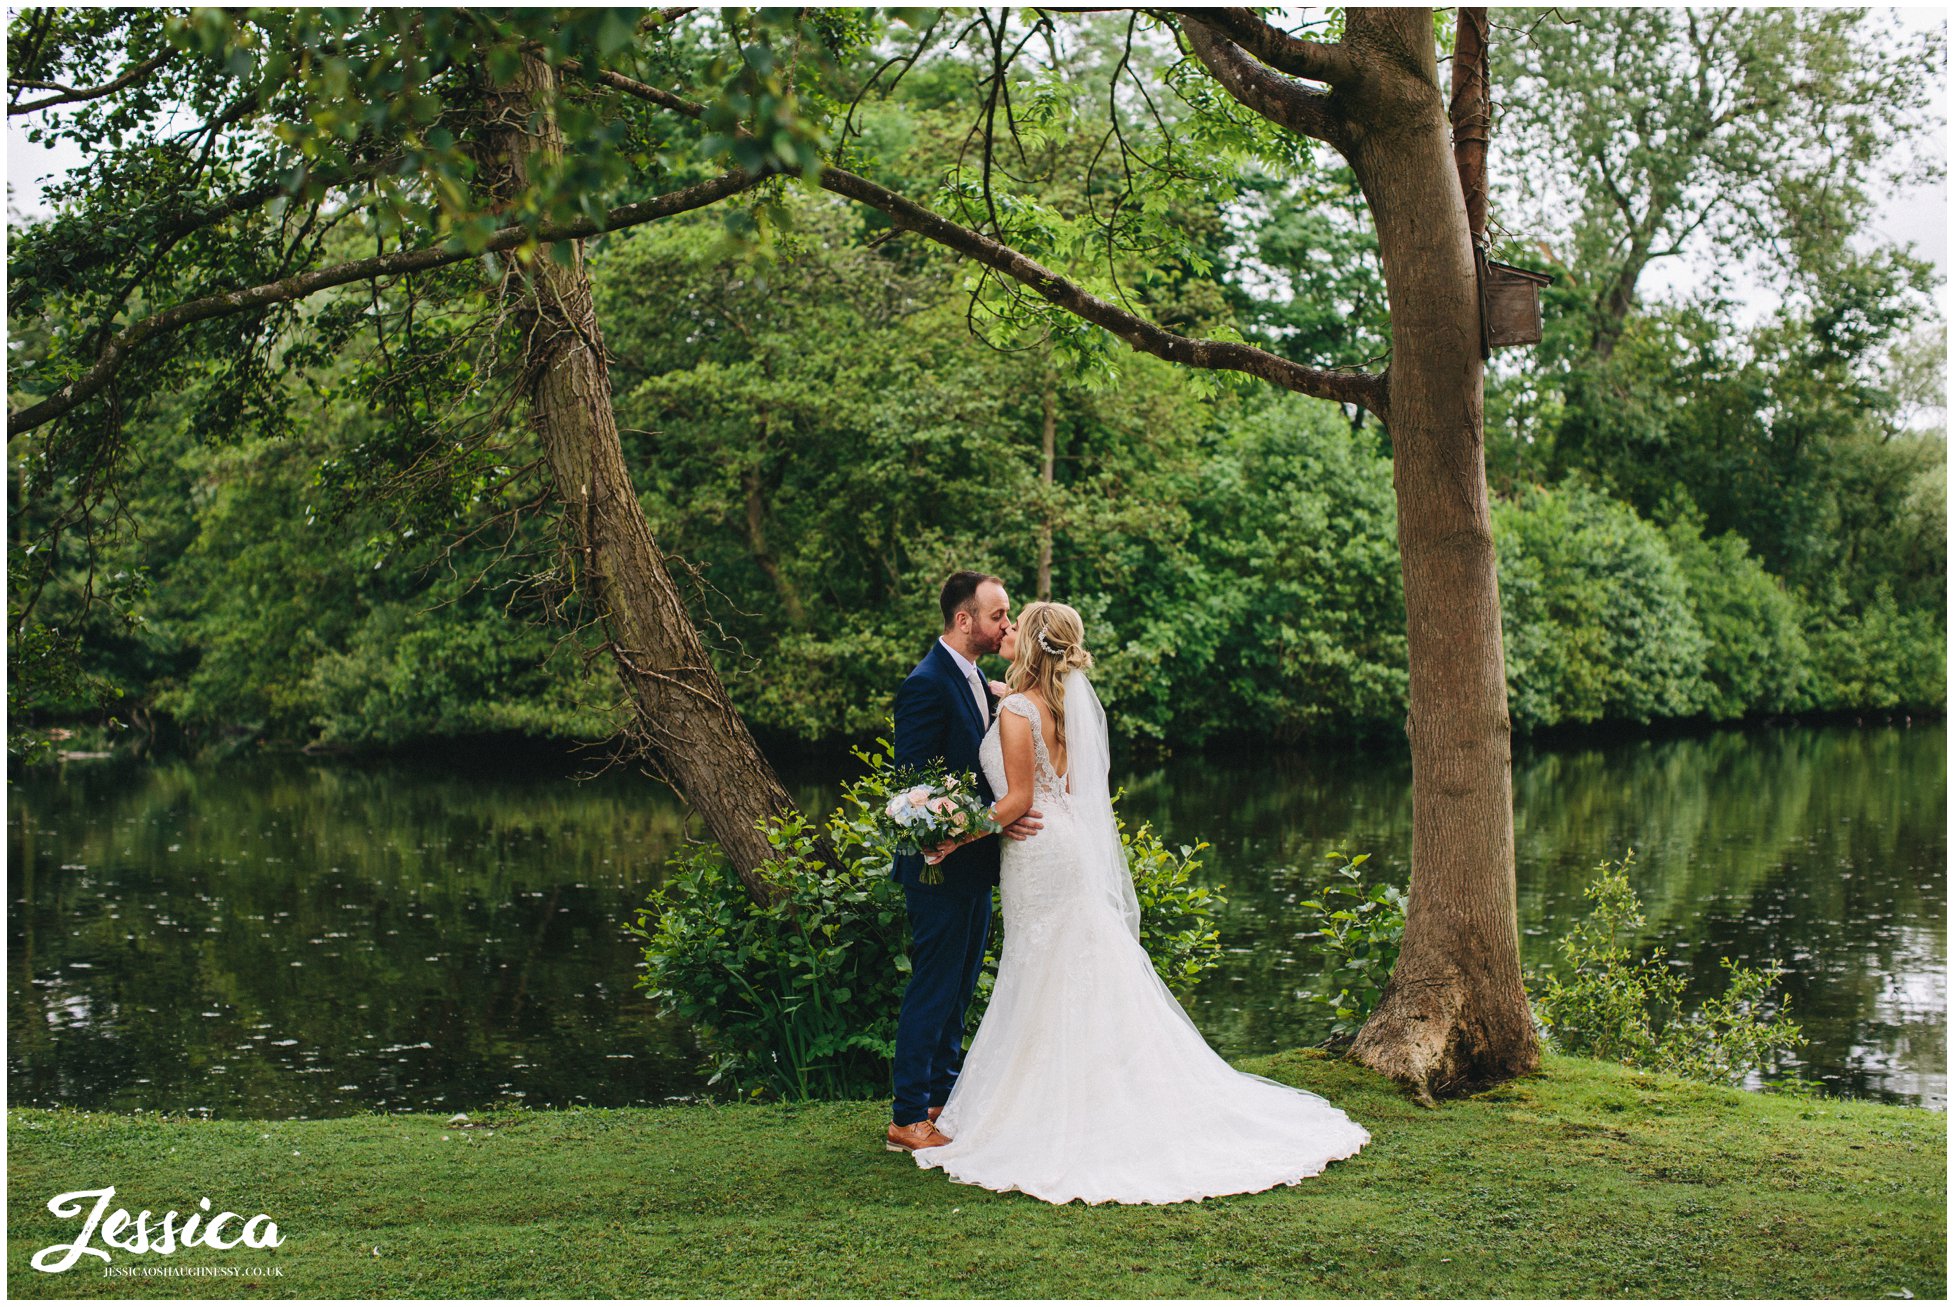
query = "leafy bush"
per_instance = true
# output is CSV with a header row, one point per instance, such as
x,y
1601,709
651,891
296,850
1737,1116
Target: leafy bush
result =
x,y
1359,931
1609,1007
1176,915
792,998
1756,658
1883,656
1612,1007
1292,586
799,998
1595,611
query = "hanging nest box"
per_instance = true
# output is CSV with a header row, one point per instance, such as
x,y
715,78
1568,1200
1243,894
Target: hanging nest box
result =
x,y
1509,304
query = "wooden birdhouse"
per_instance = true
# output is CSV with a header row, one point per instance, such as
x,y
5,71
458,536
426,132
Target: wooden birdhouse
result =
x,y
1509,304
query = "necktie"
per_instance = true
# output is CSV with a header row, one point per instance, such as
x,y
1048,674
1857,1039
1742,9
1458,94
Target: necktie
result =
x,y
977,688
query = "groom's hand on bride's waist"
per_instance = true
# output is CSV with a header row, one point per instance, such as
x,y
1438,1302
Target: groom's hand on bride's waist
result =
x,y
1026,826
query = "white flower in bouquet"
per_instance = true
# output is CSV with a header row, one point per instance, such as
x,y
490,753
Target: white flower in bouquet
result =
x,y
921,816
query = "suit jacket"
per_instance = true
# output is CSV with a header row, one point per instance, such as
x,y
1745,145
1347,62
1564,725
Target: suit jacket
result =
x,y
937,726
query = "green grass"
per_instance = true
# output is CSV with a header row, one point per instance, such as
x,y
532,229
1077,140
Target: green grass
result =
x,y
1587,1180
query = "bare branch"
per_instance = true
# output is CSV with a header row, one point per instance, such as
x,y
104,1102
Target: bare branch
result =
x,y
70,95
631,86
848,127
1365,389
1362,388
1315,60
116,351
1615,193
1277,98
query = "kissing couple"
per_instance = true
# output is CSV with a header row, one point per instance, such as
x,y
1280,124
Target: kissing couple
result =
x,y
1085,1079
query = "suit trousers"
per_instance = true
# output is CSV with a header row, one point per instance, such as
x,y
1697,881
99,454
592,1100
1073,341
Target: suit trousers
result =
x,y
947,930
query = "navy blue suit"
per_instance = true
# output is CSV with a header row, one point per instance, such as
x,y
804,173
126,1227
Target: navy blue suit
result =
x,y
938,725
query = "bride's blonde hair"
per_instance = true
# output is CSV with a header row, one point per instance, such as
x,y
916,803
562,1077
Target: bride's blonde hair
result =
x,y
1051,642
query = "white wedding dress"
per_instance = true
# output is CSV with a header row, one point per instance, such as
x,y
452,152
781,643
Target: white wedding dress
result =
x,y
1086,1079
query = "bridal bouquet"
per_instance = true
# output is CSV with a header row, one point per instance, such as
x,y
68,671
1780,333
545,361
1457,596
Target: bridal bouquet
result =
x,y
925,812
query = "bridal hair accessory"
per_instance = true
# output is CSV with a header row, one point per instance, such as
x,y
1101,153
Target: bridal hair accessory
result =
x,y
1046,645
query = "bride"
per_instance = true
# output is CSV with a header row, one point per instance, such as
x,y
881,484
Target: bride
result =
x,y
1086,1079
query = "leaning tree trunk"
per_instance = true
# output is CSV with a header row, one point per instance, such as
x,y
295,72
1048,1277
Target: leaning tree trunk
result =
x,y
684,723
1455,1011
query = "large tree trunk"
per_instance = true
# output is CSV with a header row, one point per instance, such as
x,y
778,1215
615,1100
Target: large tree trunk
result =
x,y
684,723
1454,1014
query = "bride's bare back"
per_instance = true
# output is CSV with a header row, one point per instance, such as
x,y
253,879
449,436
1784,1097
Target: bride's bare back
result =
x,y
1014,734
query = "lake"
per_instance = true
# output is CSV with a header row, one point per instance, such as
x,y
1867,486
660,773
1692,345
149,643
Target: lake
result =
x,y
284,936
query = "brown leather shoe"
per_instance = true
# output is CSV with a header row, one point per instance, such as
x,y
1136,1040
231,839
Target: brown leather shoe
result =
x,y
908,1138
935,1112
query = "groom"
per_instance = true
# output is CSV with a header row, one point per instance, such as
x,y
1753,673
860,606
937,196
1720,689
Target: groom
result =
x,y
942,712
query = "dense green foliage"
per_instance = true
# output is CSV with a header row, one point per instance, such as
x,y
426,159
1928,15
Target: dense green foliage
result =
x,y
799,997
1597,615
281,537
1795,451
1235,557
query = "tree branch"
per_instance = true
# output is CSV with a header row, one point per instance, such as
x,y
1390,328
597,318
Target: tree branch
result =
x,y
659,17
1316,61
186,223
1616,193
1276,98
1366,389
71,96
406,262
1362,388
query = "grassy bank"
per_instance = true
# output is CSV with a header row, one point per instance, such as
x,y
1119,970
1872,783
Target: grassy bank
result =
x,y
1586,1180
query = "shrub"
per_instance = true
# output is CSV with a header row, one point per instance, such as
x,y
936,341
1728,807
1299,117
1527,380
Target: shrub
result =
x,y
799,998
1176,914
1612,1007
1359,931
789,998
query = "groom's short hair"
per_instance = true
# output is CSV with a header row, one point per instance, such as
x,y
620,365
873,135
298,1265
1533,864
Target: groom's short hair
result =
x,y
960,592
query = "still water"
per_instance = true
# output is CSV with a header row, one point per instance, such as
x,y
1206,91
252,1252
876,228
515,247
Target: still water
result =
x,y
292,937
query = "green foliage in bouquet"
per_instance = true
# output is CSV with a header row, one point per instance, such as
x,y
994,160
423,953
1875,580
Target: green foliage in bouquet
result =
x,y
799,999
922,828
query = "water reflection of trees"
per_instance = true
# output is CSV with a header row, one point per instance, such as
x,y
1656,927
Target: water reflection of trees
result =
x,y
427,939
292,937
1824,847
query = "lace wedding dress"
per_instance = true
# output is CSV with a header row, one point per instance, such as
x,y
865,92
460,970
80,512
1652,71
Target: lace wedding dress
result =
x,y
1086,1079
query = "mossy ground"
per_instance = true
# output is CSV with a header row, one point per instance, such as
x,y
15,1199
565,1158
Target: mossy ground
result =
x,y
1586,1180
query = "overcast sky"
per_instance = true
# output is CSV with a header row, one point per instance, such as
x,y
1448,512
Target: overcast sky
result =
x,y
1917,217
1920,218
